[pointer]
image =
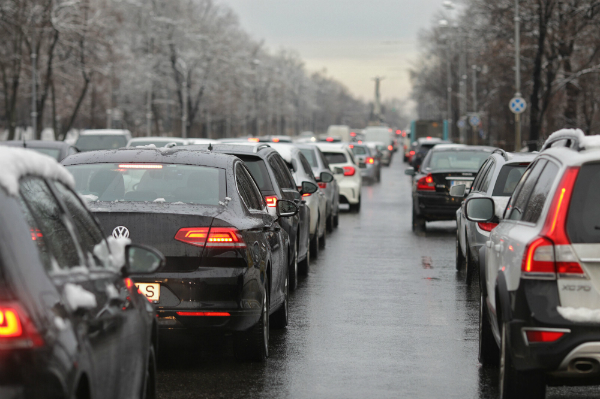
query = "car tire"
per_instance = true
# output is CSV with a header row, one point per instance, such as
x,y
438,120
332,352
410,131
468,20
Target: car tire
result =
x,y
329,224
314,243
279,319
460,258
355,207
336,219
293,268
253,344
149,388
489,354
419,224
469,265
323,240
515,384
304,266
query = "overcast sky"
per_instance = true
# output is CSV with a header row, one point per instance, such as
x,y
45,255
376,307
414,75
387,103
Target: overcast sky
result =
x,y
354,40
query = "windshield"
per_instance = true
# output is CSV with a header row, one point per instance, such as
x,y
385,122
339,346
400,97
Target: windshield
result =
x,y
507,179
184,184
53,152
100,142
310,156
456,160
158,143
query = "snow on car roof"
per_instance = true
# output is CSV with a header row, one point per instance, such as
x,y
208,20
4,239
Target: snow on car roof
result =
x,y
585,142
90,132
16,163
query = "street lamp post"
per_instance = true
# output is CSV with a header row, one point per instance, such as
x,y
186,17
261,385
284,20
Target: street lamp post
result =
x,y
517,74
34,93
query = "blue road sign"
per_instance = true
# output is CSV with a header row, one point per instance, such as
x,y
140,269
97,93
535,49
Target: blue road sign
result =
x,y
517,105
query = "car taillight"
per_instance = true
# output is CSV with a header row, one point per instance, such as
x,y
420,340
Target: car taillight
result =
x,y
349,170
275,140
542,336
211,314
16,329
271,201
552,253
193,235
35,234
426,183
330,139
487,226
322,185
370,160
390,147
412,153
253,139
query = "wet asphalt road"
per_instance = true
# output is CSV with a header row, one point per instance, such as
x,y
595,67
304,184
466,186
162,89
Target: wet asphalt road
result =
x,y
382,314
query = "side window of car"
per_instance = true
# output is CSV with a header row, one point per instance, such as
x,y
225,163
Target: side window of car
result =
x,y
306,167
323,159
480,175
279,170
51,222
254,190
90,236
540,193
518,202
44,250
485,183
245,188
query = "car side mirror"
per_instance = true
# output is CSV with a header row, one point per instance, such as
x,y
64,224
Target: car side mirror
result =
x,y
362,165
286,208
141,259
309,188
479,209
326,177
459,190
409,171
338,171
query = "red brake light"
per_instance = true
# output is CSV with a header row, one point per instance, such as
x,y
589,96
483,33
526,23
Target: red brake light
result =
x,y
272,201
398,131
275,140
139,166
329,139
351,146
359,141
322,185
370,160
253,139
539,259
35,234
538,336
221,314
16,329
487,226
426,183
224,237
193,235
412,153
349,170
390,147
353,134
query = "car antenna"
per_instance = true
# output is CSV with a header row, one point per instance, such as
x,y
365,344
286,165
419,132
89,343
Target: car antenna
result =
x,y
210,147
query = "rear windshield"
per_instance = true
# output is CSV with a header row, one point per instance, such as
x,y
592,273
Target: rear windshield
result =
x,y
359,150
259,172
456,160
378,135
53,152
507,180
335,157
100,142
186,184
311,157
424,148
583,225
158,143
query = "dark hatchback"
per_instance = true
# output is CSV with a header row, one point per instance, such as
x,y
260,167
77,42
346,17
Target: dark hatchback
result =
x,y
226,256
72,325
444,166
58,150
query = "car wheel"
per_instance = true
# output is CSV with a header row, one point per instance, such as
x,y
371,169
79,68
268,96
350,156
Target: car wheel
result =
x,y
304,266
293,269
469,266
149,388
336,219
329,224
279,319
323,240
419,224
515,384
489,354
460,258
253,344
314,243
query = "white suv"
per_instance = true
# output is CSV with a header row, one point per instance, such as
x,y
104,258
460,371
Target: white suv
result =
x,y
346,172
540,272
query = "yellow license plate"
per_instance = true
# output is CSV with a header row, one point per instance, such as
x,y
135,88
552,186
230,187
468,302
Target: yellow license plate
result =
x,y
152,291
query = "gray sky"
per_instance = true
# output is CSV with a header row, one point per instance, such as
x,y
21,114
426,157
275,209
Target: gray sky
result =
x,y
354,40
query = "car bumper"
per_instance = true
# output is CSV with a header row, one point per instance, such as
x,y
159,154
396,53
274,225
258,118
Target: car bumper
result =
x,y
369,172
436,206
350,190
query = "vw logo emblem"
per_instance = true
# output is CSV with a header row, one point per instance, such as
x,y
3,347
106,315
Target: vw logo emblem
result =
x,y
120,232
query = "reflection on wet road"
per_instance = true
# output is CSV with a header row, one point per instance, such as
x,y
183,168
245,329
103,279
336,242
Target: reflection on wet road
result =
x,y
382,314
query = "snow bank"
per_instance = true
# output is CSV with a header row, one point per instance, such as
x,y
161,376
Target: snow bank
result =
x,y
18,162
78,297
580,315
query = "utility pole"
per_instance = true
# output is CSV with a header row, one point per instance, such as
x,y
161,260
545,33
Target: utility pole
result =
x,y
475,105
34,92
463,90
517,74
449,89
149,108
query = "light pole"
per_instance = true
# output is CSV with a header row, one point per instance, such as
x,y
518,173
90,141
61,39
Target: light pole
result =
x,y
517,74
34,92
184,95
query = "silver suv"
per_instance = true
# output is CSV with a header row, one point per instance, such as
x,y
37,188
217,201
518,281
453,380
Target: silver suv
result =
x,y
540,274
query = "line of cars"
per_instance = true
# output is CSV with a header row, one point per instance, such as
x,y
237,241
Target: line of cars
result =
x,y
528,233
220,233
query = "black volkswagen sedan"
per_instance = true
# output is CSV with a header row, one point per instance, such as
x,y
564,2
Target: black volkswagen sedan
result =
x,y
226,256
444,166
72,324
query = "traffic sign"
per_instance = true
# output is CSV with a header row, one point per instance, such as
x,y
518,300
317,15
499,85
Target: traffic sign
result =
x,y
474,120
461,123
517,105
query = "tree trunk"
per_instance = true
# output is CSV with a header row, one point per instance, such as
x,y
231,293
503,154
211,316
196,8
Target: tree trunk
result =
x,y
535,116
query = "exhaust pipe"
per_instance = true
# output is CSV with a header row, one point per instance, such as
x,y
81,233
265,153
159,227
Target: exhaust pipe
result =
x,y
585,366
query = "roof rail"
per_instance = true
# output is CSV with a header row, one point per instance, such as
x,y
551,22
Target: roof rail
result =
x,y
573,139
260,147
501,152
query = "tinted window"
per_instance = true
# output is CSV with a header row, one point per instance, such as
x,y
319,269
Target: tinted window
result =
x,y
456,160
259,172
485,182
37,237
150,183
480,175
90,237
323,159
100,142
246,189
583,223
518,202
51,222
540,193
281,171
306,167
335,157
507,180
286,172
310,157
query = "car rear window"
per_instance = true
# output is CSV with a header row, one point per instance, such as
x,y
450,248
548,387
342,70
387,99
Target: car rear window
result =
x,y
310,156
100,142
507,179
173,183
259,172
53,152
457,160
335,157
157,143
357,150
583,224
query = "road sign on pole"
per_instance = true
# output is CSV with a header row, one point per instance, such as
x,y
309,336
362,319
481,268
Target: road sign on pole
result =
x,y
474,120
461,123
517,105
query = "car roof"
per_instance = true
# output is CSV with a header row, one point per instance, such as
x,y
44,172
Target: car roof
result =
x,y
155,138
175,155
336,147
249,148
90,132
286,150
36,144
424,140
462,147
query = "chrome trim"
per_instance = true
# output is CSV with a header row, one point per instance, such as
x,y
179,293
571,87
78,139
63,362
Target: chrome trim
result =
x,y
590,260
525,329
589,350
538,276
